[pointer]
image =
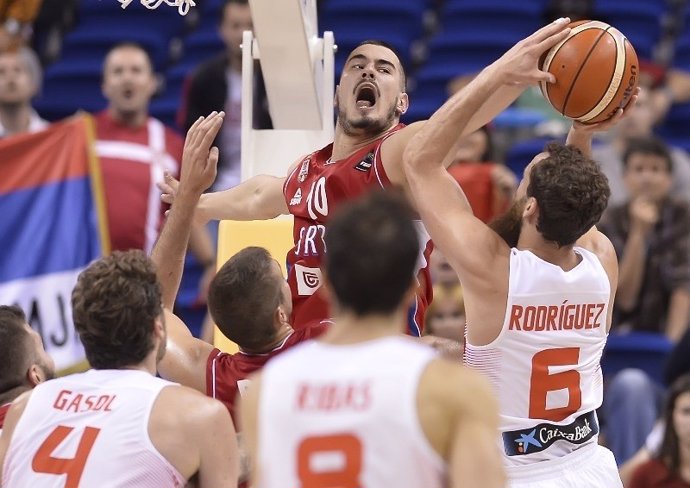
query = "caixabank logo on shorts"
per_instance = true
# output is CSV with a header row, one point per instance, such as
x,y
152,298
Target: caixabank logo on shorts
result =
x,y
536,439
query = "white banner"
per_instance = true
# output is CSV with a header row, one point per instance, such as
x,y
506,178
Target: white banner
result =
x,y
46,300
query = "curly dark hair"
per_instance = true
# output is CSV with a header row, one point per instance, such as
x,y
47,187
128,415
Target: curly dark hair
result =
x,y
572,192
115,304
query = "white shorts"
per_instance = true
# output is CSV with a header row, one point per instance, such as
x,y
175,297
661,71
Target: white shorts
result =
x,y
592,466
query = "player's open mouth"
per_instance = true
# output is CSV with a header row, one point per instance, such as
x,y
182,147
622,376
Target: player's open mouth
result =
x,y
365,96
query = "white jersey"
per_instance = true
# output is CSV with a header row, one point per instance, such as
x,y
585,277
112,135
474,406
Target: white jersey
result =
x,y
346,416
545,363
89,430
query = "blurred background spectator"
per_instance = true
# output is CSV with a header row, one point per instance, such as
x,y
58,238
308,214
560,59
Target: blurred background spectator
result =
x,y
20,81
670,468
217,85
651,235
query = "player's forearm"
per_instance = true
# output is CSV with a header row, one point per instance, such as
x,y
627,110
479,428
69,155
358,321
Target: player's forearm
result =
x,y
581,140
434,140
631,272
678,313
504,96
169,252
258,198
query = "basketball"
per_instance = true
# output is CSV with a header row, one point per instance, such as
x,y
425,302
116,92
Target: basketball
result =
x,y
596,72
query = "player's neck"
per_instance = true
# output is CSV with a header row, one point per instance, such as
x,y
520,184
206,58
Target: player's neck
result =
x,y
345,144
10,395
148,365
280,337
15,119
563,256
129,119
350,329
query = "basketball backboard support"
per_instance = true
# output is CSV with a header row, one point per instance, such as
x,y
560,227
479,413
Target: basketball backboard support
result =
x,y
298,73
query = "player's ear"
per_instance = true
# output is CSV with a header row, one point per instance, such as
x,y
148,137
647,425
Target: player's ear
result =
x,y
280,316
35,375
335,97
531,208
403,104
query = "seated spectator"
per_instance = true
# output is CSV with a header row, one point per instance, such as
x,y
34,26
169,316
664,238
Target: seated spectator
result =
x,y
651,235
638,124
489,186
20,82
670,468
446,314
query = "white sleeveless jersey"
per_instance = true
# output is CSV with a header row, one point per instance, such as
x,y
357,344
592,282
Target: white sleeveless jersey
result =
x,y
89,430
346,416
545,363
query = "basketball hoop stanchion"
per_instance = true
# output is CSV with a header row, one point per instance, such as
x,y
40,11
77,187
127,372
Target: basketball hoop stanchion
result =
x,y
183,6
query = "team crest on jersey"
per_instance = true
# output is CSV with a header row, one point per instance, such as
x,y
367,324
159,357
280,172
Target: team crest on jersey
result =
x,y
304,170
297,199
365,164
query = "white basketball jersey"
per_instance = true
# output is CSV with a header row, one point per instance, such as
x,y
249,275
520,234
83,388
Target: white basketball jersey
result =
x,y
346,416
545,363
89,430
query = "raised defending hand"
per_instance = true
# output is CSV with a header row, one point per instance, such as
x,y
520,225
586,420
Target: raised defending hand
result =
x,y
519,65
199,159
607,124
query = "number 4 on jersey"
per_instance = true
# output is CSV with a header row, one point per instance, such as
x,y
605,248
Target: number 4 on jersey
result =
x,y
45,462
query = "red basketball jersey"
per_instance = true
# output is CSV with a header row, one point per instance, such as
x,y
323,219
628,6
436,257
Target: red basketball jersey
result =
x,y
313,191
226,374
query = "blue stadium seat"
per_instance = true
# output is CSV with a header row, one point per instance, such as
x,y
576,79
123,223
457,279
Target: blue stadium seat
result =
x,y
202,45
675,128
642,350
92,42
681,58
165,108
509,17
639,21
175,78
457,52
109,14
520,154
69,87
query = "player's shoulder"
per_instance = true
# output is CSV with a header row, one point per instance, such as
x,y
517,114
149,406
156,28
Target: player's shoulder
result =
x,y
187,405
450,383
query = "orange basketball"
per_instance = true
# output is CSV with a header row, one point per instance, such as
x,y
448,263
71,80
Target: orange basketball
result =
x,y
596,72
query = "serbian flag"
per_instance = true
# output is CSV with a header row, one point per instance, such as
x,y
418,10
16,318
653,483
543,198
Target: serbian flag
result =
x,y
52,225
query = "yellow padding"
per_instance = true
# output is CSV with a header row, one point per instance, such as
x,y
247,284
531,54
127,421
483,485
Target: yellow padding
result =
x,y
275,235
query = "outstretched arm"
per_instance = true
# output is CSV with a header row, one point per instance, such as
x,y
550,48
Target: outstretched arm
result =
x,y
258,198
185,357
469,245
509,85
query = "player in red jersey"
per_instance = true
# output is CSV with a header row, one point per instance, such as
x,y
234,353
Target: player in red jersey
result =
x,y
366,153
249,299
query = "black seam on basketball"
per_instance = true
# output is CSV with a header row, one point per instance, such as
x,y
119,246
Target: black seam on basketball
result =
x,y
579,70
613,73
